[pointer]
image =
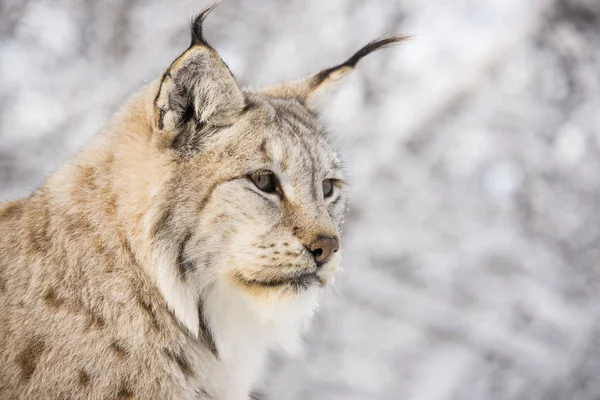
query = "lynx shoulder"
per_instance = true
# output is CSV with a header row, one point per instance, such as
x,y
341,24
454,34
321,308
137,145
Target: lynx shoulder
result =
x,y
188,238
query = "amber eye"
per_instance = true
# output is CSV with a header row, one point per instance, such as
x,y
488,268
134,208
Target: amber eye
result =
x,y
265,181
327,188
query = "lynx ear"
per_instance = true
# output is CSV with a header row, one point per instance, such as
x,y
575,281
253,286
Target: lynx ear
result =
x,y
197,90
302,89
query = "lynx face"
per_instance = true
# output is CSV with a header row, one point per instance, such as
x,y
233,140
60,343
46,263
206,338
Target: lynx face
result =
x,y
269,220
284,203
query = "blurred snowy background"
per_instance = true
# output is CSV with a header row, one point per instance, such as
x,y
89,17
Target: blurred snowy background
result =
x,y
472,246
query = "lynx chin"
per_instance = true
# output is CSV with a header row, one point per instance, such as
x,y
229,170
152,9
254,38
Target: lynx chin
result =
x,y
189,238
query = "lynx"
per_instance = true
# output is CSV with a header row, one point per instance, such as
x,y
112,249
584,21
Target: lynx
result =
x,y
189,238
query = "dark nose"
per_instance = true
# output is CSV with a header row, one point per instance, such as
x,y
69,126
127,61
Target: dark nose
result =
x,y
323,248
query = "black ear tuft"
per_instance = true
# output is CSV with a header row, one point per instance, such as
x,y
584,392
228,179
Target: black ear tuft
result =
x,y
356,57
198,94
302,89
196,26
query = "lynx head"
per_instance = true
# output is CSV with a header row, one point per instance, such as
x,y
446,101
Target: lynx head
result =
x,y
256,192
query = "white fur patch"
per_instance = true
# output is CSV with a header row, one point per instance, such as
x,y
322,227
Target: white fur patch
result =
x,y
180,297
245,329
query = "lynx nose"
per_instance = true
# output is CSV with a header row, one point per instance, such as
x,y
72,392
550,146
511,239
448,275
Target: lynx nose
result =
x,y
323,248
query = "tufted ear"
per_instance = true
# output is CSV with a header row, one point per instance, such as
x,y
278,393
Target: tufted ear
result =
x,y
302,89
197,92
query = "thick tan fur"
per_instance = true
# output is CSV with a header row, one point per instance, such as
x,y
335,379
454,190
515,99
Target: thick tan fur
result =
x,y
79,317
150,266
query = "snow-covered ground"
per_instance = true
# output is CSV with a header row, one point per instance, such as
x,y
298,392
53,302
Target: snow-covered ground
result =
x,y
472,247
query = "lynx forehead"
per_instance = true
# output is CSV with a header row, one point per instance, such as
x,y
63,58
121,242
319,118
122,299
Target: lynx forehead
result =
x,y
192,235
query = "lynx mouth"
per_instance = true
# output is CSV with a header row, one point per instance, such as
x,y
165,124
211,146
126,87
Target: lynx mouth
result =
x,y
300,281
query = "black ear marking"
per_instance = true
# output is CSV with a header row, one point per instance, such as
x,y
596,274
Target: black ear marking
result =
x,y
302,89
196,27
197,92
356,57
161,117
